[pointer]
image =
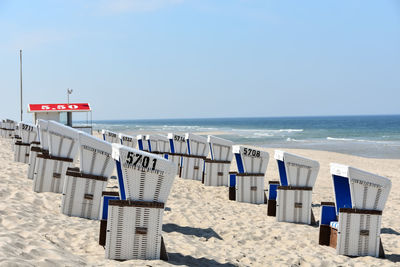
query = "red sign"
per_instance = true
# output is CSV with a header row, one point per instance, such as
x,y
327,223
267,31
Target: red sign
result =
x,y
58,107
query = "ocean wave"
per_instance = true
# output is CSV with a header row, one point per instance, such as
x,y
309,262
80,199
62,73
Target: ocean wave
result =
x,y
294,140
291,130
340,139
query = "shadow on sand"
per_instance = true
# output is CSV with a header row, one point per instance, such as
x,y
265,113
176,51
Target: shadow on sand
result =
x,y
179,259
187,230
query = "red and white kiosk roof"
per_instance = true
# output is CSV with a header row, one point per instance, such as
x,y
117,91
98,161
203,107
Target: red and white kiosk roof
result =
x,y
63,107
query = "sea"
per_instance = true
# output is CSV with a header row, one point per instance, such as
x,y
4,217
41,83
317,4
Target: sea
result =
x,y
366,136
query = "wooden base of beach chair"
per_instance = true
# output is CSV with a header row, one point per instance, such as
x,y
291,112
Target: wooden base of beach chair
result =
x,y
324,235
81,196
271,211
232,193
103,232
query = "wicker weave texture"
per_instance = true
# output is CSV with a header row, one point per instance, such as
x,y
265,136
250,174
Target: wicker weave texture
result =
x,y
192,168
133,233
216,174
81,197
220,149
43,134
358,234
95,156
250,189
32,163
63,140
44,179
300,171
294,206
110,137
147,183
21,153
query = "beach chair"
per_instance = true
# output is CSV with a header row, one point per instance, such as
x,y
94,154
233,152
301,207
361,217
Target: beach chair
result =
x,y
105,197
163,147
51,168
352,224
82,191
110,137
232,185
142,144
127,140
8,128
193,160
216,167
134,223
178,148
294,200
27,133
38,147
252,165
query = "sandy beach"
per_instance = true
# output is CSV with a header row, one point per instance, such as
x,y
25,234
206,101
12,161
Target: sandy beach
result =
x,y
201,227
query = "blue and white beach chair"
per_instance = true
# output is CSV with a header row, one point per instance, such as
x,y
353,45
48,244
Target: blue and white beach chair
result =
x,y
134,222
294,194
142,143
127,140
193,161
106,196
252,165
178,147
51,168
110,136
352,224
83,189
216,167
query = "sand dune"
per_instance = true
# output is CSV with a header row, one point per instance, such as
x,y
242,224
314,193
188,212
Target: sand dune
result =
x,y
201,226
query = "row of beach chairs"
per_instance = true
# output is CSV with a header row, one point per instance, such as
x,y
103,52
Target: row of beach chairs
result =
x,y
131,218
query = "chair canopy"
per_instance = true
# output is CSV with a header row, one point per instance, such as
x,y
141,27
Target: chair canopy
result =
x,y
110,136
28,132
358,189
127,140
63,140
143,176
177,143
220,149
163,144
196,145
142,144
95,156
295,170
250,160
43,135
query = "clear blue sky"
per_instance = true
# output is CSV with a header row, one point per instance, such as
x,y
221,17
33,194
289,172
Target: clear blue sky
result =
x,y
142,59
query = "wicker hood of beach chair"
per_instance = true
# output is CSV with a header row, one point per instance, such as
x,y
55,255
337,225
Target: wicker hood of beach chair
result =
x,y
127,140
110,137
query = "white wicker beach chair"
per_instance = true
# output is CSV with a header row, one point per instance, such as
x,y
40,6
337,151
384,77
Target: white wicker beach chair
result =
x,y
8,128
127,140
163,145
178,148
193,161
252,165
110,137
352,224
294,199
51,168
216,168
134,222
27,134
142,143
39,147
83,189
